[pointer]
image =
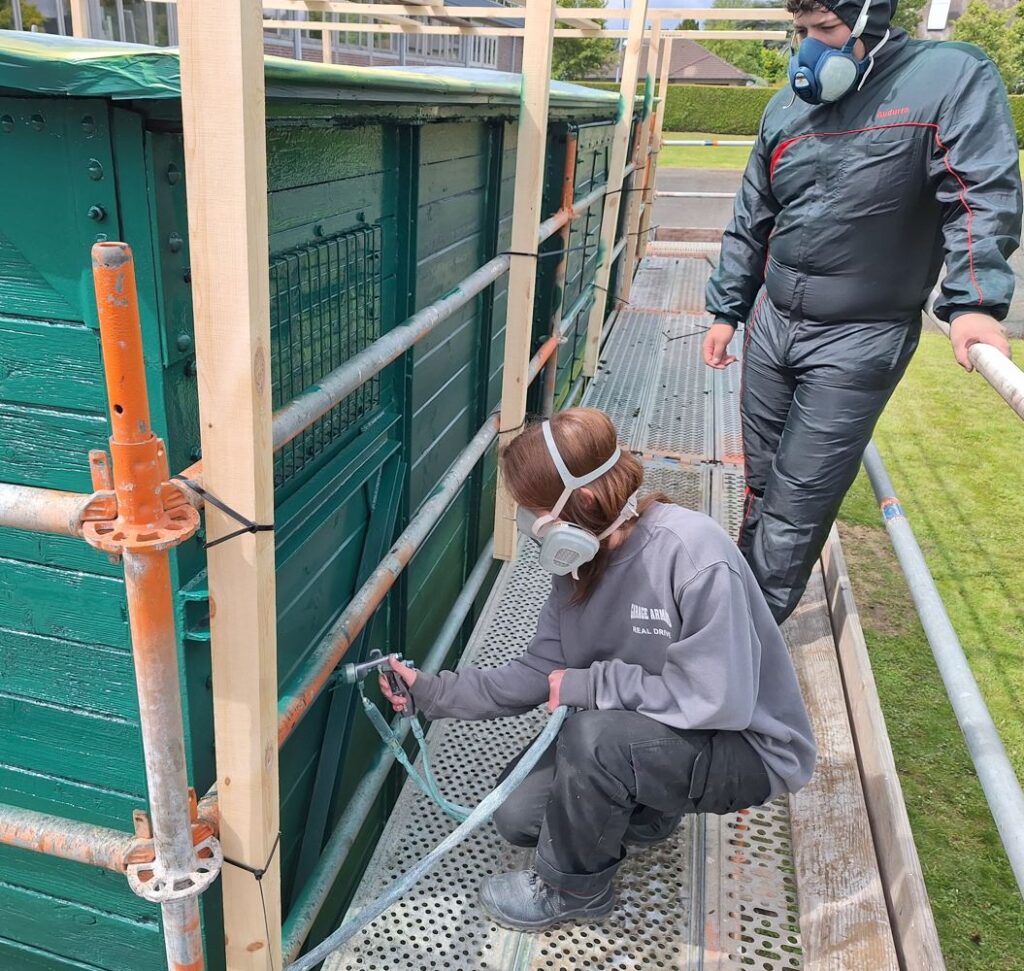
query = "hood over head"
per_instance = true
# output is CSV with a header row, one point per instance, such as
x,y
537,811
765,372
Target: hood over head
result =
x,y
880,13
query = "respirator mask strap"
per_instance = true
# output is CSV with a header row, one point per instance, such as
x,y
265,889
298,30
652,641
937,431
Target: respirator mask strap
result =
x,y
871,57
570,481
629,511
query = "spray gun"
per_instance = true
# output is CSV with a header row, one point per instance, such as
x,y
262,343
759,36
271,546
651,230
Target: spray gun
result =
x,y
377,662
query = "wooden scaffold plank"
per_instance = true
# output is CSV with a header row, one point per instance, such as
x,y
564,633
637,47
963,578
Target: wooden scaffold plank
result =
x,y
665,71
616,168
910,912
844,924
522,281
639,197
224,121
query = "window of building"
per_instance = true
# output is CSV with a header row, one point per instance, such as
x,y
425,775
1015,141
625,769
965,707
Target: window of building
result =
x,y
131,21
483,51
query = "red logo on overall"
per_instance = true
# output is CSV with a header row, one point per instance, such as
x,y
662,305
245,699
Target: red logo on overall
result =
x,y
892,112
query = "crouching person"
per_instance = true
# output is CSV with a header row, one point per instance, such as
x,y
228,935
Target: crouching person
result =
x,y
657,632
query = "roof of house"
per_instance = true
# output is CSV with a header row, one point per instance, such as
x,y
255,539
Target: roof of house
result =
x,y
690,62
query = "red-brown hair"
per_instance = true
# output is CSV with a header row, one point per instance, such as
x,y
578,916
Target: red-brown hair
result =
x,y
585,438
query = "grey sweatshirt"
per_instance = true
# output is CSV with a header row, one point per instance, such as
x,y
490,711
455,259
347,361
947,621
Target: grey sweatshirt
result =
x,y
676,629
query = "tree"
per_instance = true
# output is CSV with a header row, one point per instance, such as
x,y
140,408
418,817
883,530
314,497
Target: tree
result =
x,y
743,54
30,16
979,24
687,25
1015,49
574,59
908,15
774,65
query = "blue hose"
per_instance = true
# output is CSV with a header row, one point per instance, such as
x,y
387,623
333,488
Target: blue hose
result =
x,y
474,821
425,782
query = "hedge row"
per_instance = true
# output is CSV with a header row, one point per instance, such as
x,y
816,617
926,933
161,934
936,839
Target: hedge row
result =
x,y
711,108
737,111
1017,110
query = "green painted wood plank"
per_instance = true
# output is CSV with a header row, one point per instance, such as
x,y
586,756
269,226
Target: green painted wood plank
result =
x,y
441,271
316,596
68,797
23,289
436,575
449,141
21,957
91,677
448,221
449,346
70,880
49,449
62,603
71,929
51,364
55,165
67,552
434,458
307,155
444,381
451,179
97,750
324,203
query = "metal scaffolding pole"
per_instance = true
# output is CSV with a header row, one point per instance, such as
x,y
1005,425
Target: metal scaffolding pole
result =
x,y
995,771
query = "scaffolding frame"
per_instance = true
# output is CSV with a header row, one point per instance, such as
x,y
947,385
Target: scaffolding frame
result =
x,y
223,114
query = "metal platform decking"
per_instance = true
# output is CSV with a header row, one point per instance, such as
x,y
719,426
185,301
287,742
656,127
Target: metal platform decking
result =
x,y
794,884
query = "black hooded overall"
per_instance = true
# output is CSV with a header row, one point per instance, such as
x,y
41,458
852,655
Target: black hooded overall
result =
x,y
845,216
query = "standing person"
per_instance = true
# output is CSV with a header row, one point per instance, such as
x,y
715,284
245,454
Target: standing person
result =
x,y
656,630
885,157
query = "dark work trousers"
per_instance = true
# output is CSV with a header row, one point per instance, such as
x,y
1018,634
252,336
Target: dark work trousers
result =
x,y
610,769
810,397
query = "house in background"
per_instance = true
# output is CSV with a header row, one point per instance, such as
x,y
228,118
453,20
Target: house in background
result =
x,y
691,64
405,50
141,22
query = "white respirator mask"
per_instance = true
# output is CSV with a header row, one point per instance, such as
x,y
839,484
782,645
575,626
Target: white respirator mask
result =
x,y
565,547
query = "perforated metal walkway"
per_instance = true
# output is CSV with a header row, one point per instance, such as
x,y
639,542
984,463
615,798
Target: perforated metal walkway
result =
x,y
723,892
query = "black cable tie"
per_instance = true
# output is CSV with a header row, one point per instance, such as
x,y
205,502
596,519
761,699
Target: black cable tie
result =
x,y
618,300
641,232
635,188
689,333
546,255
248,526
257,872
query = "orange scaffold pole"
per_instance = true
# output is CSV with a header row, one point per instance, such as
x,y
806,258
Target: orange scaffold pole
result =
x,y
152,517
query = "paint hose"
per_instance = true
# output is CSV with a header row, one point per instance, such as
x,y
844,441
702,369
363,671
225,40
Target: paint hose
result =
x,y
480,815
426,782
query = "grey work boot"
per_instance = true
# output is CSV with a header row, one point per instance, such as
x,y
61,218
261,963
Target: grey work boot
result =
x,y
521,900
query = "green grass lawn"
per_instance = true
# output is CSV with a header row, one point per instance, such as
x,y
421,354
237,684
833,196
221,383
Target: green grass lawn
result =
x,y
696,157
953,450
727,157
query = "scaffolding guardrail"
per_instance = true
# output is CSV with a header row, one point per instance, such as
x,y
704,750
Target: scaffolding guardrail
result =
x,y
995,771
708,142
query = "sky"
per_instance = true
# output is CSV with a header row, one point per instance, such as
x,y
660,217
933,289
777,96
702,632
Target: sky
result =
x,y
621,24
